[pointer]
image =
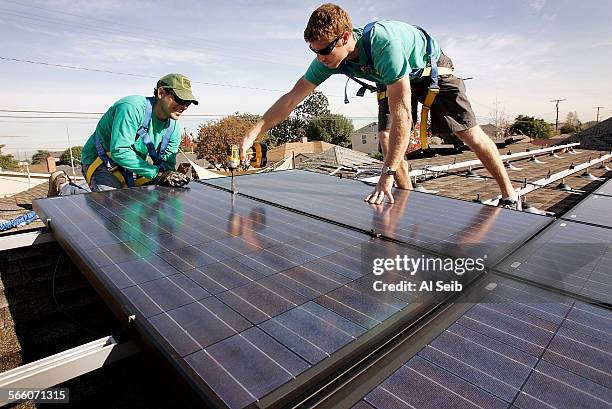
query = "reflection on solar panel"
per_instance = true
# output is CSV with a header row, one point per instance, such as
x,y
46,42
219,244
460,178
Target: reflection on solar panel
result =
x,y
595,209
570,256
605,189
549,352
242,296
447,225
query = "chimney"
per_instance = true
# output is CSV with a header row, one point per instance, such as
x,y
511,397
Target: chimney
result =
x,y
304,139
51,164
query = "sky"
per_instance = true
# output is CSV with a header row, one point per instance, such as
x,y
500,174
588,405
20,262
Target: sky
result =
x,y
242,55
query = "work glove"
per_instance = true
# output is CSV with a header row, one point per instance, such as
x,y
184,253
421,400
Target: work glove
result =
x,y
171,178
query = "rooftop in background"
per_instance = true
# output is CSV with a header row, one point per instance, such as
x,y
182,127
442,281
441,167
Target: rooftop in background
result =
x,y
457,185
340,159
295,148
596,137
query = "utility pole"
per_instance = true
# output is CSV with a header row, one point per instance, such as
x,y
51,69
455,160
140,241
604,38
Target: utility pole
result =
x,y
598,108
557,120
71,157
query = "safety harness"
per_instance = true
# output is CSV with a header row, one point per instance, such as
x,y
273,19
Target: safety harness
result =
x,y
431,70
124,176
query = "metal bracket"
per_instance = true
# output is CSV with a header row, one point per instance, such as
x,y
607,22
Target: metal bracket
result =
x,y
58,368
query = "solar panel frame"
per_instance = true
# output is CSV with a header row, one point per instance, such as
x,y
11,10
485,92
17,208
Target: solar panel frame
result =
x,y
594,209
567,369
605,189
571,257
113,207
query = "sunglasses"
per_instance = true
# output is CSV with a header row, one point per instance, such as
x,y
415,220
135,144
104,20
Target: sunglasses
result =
x,y
330,47
176,99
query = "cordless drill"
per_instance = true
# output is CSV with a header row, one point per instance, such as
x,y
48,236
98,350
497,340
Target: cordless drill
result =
x,y
255,157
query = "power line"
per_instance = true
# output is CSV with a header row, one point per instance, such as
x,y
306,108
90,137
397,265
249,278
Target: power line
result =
x,y
101,113
214,84
74,67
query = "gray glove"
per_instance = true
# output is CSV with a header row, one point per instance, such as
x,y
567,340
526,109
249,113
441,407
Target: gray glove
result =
x,y
171,178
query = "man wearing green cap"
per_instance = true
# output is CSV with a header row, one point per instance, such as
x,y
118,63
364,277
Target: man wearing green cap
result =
x,y
135,142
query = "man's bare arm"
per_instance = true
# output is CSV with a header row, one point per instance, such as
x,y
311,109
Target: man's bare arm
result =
x,y
399,137
279,111
401,121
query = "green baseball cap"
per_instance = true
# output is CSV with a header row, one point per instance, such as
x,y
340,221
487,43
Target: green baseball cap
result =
x,y
180,85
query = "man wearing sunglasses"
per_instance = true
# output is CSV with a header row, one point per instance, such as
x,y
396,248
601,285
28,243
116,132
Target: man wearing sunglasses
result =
x,y
394,58
135,142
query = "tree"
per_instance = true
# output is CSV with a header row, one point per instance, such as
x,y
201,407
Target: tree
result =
x,y
572,123
316,104
500,120
294,127
332,128
530,126
7,161
215,136
40,156
76,154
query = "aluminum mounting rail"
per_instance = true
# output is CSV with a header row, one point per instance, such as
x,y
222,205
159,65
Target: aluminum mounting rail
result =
x,y
66,365
540,183
434,170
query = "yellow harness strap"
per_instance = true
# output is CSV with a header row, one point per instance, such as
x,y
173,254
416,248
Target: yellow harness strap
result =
x,y
116,171
429,99
441,71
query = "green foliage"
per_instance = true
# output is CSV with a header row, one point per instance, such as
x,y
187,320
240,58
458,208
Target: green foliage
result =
x,y
76,154
377,155
215,136
316,104
530,126
252,118
294,127
40,156
7,162
572,123
567,128
332,128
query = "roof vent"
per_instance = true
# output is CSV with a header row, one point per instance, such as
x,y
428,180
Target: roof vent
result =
x,y
571,151
477,200
571,166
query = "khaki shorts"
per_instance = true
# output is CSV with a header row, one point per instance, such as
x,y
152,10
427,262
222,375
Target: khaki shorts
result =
x,y
451,111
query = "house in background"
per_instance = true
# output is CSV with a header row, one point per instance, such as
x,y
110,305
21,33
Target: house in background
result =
x,y
365,139
295,148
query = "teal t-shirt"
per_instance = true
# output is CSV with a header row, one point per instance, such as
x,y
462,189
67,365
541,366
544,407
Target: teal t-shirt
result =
x,y
397,49
117,129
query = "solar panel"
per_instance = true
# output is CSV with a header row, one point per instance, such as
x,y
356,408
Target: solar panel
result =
x,y
573,257
447,225
549,352
595,209
242,297
605,189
